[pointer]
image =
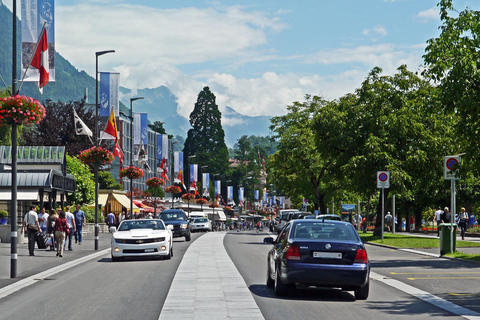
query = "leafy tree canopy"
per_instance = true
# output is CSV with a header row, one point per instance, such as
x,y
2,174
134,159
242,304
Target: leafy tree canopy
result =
x,y
85,182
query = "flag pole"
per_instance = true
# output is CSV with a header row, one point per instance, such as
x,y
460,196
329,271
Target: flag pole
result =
x,y
44,29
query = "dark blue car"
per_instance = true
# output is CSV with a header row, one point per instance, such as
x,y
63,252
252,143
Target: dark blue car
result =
x,y
178,219
320,253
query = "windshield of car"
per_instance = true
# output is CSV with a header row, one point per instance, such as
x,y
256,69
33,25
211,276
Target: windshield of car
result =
x,y
127,225
200,220
173,216
324,231
329,217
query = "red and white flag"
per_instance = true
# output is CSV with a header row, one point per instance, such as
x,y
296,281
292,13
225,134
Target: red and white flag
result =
x,y
118,152
40,60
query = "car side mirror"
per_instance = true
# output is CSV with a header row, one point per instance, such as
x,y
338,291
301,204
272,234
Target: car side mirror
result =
x,y
268,240
169,227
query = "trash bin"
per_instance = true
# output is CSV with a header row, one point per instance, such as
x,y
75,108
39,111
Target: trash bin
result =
x,y
445,234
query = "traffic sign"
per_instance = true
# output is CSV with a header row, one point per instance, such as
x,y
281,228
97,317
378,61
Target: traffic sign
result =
x,y
383,179
451,167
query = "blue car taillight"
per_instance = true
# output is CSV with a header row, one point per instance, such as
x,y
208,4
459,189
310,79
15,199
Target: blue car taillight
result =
x,y
293,253
361,256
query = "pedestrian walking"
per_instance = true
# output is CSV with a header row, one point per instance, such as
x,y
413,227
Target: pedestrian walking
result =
x,y
42,219
80,221
463,222
388,220
61,230
71,226
438,217
30,222
446,216
52,218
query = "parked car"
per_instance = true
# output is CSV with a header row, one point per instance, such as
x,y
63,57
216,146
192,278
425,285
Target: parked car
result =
x,y
200,224
285,216
142,237
178,219
320,253
329,217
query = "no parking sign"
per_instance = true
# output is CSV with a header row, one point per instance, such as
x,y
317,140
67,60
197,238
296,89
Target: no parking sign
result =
x,y
383,179
451,167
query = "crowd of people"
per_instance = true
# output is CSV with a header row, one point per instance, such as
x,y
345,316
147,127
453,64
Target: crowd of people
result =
x,y
54,229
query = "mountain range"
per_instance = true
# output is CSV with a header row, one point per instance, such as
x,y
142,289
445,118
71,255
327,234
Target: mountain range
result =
x,y
160,103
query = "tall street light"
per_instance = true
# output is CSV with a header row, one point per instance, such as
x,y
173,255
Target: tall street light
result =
x,y
131,152
97,54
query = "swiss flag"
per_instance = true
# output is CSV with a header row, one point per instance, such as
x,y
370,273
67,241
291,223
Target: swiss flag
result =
x,y
163,166
194,187
40,59
118,152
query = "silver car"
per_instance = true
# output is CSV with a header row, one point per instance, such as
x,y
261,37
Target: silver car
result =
x,y
200,224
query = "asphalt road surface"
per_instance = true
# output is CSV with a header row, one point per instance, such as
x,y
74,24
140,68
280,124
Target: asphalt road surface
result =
x,y
385,301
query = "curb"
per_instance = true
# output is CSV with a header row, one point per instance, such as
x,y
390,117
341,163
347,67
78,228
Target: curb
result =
x,y
421,253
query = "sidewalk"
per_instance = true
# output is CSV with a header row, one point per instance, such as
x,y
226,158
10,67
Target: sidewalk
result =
x,y
436,251
44,259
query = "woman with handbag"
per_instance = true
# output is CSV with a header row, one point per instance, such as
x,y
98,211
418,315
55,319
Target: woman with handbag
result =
x,y
30,221
61,230
52,217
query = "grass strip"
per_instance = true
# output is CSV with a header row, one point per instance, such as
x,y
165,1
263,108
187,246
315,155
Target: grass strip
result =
x,y
399,240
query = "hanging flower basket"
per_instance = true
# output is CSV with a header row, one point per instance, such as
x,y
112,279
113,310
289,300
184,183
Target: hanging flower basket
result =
x,y
20,110
227,208
131,172
201,201
213,205
96,155
155,182
188,196
173,189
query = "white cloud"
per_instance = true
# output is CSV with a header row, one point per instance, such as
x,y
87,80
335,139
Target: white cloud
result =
x,y
387,56
430,14
142,34
378,30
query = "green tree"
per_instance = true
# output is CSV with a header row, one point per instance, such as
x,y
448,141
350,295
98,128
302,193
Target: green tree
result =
x,y
206,139
298,167
107,181
452,60
392,123
85,182
57,129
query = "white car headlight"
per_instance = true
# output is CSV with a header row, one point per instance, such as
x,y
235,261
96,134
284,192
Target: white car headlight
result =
x,y
183,226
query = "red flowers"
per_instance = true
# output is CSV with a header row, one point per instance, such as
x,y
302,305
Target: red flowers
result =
x,y
173,189
188,196
213,205
201,201
131,172
21,110
96,155
155,182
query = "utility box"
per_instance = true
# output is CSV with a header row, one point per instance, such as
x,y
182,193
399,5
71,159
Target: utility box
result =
x,y
445,234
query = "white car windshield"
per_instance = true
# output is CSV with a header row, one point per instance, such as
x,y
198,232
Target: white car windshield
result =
x,y
200,220
141,224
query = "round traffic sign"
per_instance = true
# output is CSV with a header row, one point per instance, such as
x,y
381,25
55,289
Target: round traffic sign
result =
x,y
383,177
452,162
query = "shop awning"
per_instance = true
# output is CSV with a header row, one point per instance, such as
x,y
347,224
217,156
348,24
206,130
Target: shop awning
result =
x,y
24,195
102,199
124,201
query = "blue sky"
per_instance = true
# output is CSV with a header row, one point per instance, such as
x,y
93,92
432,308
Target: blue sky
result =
x,y
256,56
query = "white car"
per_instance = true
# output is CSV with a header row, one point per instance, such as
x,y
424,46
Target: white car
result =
x,y
142,237
200,224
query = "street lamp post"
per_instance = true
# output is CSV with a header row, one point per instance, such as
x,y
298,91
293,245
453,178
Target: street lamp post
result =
x,y
131,152
97,54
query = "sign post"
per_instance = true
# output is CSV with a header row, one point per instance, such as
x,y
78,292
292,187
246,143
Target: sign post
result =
x,y
383,182
451,171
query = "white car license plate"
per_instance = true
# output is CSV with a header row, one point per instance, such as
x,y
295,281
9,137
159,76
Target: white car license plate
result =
x,y
327,255
149,250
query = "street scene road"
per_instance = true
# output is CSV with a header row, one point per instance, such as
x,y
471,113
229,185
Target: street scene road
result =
x,y
404,285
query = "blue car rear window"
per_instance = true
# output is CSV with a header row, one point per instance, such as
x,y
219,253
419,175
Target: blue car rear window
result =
x,y
324,231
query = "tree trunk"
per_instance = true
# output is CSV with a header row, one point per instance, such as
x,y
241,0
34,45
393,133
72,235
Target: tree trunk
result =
x,y
378,222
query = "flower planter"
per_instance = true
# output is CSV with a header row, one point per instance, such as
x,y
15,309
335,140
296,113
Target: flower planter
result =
x,y
131,173
96,156
20,110
3,221
155,182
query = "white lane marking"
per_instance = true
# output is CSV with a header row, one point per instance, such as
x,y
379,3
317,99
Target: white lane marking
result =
x,y
421,252
427,297
14,287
